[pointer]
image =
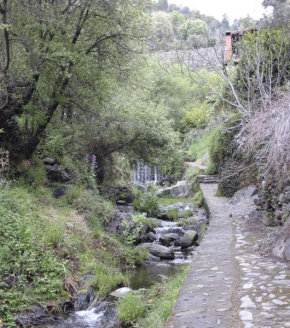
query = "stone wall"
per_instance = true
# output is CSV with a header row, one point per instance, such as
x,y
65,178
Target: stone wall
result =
x,y
235,175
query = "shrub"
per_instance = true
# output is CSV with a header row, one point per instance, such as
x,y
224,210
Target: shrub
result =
x,y
198,199
25,264
172,214
148,203
191,174
90,202
211,169
201,145
131,307
54,233
187,214
106,279
224,145
132,228
32,174
196,118
73,194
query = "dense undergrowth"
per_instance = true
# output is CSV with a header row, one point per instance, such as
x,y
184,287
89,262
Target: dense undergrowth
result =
x,y
46,246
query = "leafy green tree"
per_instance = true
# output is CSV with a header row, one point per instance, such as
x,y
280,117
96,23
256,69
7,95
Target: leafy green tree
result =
x,y
121,119
193,28
173,7
177,18
46,47
225,23
162,31
162,5
281,12
246,22
184,10
236,25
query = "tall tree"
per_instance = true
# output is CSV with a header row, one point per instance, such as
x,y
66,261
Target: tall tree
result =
x,y
162,30
44,46
162,5
225,23
281,11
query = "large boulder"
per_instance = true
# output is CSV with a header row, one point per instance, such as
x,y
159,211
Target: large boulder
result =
x,y
84,300
59,191
160,251
244,194
181,189
189,239
256,215
49,161
151,236
287,250
267,220
280,246
169,237
121,292
57,174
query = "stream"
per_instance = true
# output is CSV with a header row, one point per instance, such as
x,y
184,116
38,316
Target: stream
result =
x,y
103,314
170,234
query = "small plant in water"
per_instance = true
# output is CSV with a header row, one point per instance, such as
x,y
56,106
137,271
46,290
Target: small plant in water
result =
x,y
131,307
132,228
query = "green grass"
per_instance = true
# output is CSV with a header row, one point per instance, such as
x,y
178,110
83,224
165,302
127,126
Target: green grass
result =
x,y
187,214
202,146
147,202
131,307
47,245
198,199
219,193
160,300
173,214
168,200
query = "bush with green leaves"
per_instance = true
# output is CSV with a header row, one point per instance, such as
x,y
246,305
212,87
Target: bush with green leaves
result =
x,y
172,214
198,199
29,271
191,174
131,307
223,144
211,169
90,202
263,67
31,174
148,203
132,228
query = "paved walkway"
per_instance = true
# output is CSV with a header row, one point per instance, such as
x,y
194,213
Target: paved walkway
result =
x,y
228,285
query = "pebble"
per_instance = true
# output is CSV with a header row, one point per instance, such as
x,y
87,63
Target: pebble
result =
x,y
248,286
247,303
246,315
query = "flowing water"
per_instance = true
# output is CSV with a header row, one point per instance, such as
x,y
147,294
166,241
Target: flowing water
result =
x,y
155,271
146,174
103,314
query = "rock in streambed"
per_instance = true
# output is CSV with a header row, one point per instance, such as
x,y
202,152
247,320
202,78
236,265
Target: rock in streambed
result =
x,y
160,251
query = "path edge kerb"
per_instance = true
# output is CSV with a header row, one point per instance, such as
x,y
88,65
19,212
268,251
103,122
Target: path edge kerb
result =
x,y
167,323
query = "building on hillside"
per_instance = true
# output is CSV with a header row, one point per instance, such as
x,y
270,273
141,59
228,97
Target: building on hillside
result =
x,y
232,39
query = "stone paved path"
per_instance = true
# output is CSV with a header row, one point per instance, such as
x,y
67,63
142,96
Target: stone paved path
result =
x,y
264,289
229,285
